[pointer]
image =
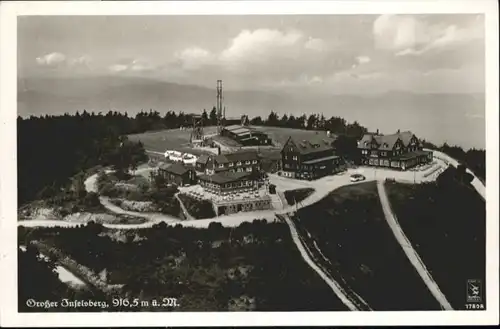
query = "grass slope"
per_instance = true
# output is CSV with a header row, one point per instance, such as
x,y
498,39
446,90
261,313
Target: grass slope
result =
x,y
446,225
349,228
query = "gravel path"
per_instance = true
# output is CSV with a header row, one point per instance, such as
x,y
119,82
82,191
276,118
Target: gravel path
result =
x,y
410,252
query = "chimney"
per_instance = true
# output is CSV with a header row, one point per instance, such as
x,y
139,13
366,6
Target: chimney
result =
x,y
377,131
399,131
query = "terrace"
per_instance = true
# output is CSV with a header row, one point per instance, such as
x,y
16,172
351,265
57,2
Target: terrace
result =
x,y
226,198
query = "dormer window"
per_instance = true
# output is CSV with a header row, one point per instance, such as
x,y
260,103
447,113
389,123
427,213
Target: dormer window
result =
x,y
231,164
238,163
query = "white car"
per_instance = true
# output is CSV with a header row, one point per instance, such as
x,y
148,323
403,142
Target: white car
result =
x,y
357,178
189,159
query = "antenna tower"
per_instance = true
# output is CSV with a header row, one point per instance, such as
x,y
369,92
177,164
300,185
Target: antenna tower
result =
x,y
219,107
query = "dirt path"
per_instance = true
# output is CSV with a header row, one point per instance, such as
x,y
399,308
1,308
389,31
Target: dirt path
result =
x,y
304,251
408,248
183,207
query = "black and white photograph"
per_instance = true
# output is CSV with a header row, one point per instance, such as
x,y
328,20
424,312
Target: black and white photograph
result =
x,y
313,161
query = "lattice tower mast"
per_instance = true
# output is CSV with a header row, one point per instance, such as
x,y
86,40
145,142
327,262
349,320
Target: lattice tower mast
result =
x,y
220,114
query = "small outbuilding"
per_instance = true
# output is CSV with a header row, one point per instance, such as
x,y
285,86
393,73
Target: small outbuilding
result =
x,y
178,174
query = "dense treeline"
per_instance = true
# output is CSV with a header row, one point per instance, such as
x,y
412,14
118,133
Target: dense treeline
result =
x,y
474,159
53,148
207,269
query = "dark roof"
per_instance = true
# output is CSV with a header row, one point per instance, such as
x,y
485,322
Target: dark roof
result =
x,y
242,155
225,177
175,168
226,140
313,143
203,159
386,142
331,157
237,128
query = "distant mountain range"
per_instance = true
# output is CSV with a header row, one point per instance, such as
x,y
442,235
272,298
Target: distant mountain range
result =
x,y
433,115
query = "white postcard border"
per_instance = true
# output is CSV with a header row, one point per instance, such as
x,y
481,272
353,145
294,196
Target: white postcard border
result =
x,y
8,195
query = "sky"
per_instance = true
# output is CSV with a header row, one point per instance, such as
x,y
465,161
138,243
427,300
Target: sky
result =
x,y
354,54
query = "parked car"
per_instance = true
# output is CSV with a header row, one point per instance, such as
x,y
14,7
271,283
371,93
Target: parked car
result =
x,y
357,178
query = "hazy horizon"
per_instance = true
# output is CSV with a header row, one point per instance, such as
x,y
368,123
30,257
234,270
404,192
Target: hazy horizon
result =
x,y
424,73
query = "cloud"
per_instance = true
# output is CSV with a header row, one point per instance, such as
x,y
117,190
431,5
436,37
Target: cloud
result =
x,y
131,66
118,68
363,59
264,55
263,46
407,35
315,44
360,60
52,59
193,58
82,61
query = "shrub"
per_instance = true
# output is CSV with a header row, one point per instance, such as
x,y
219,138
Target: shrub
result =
x,y
91,200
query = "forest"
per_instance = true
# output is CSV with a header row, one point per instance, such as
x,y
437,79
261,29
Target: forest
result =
x,y
207,269
51,149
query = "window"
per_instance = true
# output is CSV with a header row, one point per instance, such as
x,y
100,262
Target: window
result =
x,y
238,163
254,161
286,157
247,162
221,165
231,164
295,157
249,169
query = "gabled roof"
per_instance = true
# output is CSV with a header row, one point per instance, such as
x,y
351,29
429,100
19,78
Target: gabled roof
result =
x,y
312,144
225,177
243,155
406,137
203,159
175,168
232,127
385,142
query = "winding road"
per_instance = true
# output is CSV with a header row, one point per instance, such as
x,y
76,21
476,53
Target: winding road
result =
x,y
321,187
